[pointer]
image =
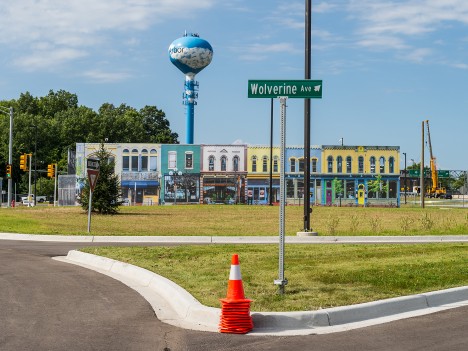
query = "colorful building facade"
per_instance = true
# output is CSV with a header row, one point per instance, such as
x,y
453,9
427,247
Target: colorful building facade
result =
x,y
236,174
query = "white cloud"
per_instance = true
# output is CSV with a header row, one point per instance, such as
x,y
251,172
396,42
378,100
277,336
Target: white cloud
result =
x,y
75,26
99,76
48,59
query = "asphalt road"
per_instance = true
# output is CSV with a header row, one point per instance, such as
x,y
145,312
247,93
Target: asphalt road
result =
x,y
51,305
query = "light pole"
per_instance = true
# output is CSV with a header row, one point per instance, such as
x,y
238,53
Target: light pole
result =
x,y
174,174
35,162
9,111
404,153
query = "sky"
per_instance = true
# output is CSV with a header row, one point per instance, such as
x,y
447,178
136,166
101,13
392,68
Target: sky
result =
x,y
386,66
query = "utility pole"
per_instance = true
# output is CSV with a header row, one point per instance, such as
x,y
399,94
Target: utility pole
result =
x,y
421,182
307,69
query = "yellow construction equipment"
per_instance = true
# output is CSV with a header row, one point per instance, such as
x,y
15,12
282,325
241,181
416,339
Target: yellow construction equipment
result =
x,y
434,190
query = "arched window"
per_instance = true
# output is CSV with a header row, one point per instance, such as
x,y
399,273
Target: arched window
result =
x,y
361,164
382,164
153,164
372,164
144,160
235,163
275,164
391,165
349,164
339,164
301,165
314,165
293,165
254,163
264,164
134,163
125,160
223,163
330,164
211,161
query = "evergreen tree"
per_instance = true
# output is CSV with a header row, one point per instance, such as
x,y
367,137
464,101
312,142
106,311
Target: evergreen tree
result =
x,y
107,196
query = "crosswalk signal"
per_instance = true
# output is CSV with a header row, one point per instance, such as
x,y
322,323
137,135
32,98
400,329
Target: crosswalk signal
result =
x,y
8,171
24,162
51,171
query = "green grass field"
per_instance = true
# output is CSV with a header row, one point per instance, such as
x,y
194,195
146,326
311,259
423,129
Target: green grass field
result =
x,y
234,220
319,276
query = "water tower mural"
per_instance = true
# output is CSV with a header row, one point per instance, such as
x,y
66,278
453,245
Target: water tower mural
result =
x,y
190,54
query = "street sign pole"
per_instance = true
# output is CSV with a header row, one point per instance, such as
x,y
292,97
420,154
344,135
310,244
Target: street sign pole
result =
x,y
92,166
281,281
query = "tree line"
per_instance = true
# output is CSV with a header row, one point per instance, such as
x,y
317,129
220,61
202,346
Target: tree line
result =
x,y
54,123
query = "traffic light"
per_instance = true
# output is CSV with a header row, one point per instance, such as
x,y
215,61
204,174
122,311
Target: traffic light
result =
x,y
51,171
8,171
24,162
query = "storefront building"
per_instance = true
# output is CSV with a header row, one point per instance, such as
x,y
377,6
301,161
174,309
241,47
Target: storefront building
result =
x,y
180,168
259,164
223,174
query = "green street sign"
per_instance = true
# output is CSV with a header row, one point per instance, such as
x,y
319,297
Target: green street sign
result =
x,y
300,89
443,174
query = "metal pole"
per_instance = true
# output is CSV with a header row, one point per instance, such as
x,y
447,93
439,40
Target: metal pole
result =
x,y
35,165
29,188
281,281
10,157
55,183
421,182
404,153
271,154
308,27
89,209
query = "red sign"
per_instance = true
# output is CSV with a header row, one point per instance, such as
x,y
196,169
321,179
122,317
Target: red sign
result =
x,y
92,178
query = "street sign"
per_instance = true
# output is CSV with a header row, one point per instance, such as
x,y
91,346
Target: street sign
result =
x,y
301,89
443,174
93,175
92,163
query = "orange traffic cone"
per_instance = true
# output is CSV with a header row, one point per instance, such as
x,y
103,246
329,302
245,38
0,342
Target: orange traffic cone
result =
x,y
235,308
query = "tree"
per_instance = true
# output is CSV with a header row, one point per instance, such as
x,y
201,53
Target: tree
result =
x,y
106,195
377,186
338,184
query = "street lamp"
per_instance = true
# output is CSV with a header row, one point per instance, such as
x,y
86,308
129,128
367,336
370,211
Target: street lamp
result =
x,y
174,174
9,112
404,153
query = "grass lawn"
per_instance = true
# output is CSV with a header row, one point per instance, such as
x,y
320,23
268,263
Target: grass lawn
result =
x,y
234,220
319,276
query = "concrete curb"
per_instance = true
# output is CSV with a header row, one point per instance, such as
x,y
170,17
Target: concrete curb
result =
x,y
176,306
240,239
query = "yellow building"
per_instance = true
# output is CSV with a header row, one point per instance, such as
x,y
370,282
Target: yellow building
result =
x,y
259,163
362,175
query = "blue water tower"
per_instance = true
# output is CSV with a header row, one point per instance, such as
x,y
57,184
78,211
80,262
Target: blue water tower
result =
x,y
190,54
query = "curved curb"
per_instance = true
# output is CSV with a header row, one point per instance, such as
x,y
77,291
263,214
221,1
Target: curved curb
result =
x,y
176,306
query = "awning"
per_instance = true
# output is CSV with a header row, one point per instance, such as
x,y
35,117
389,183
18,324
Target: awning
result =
x,y
140,184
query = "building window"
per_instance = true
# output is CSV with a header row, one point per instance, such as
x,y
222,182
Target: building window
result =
x,y
349,164
235,163
211,160
134,159
391,165
275,164
172,160
339,164
265,164
125,160
153,160
314,165
188,160
372,164
254,164
293,165
144,160
382,164
301,165
330,164
223,163
361,164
